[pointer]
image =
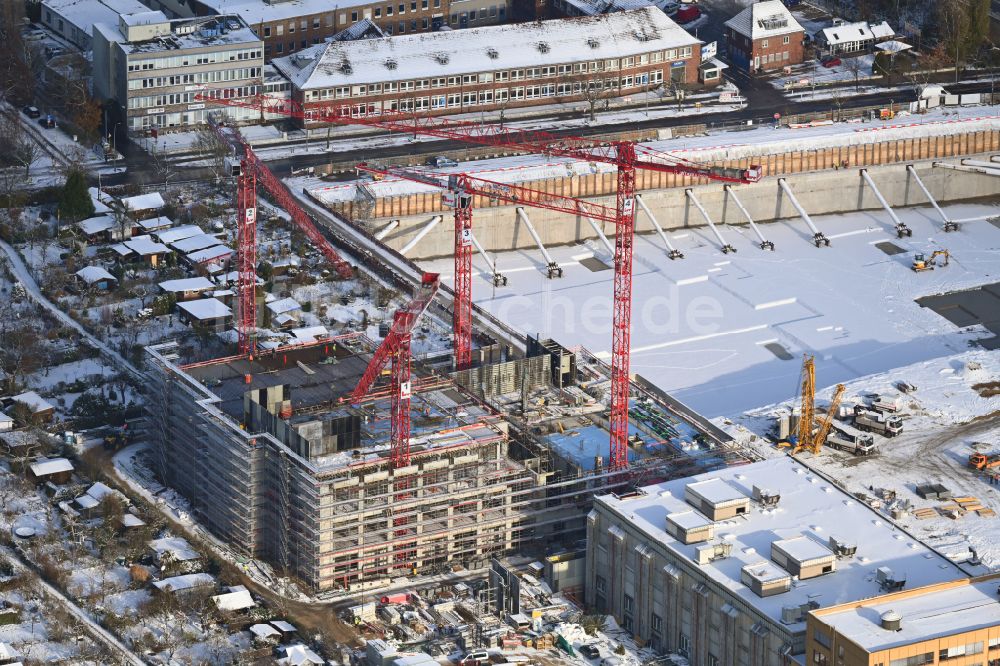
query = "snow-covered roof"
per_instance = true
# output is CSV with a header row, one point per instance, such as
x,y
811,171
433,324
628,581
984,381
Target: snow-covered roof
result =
x,y
84,13
415,659
591,7
764,19
881,30
935,612
263,631
145,18
145,246
187,284
180,550
148,201
7,651
86,502
208,254
284,626
46,466
432,54
299,655
33,401
178,233
99,491
284,305
234,601
100,200
809,506
205,308
155,223
308,334
193,243
858,31
184,582
893,46
92,274
5,419
363,29
132,520
95,225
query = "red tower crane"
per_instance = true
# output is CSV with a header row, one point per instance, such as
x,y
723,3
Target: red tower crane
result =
x,y
626,156
395,348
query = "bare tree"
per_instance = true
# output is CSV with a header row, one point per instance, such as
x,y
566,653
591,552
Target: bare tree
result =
x,y
594,91
855,66
208,144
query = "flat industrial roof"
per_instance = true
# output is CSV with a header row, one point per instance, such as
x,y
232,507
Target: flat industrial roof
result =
x,y
809,505
966,606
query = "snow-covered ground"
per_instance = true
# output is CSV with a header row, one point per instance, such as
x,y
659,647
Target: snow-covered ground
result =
x,y
944,421
700,325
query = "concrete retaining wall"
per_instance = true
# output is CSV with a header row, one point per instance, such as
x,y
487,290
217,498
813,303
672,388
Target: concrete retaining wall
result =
x,y
820,192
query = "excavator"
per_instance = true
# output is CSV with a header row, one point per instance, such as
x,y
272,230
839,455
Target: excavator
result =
x,y
981,461
922,263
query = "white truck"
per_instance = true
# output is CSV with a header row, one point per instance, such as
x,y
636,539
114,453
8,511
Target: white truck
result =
x,y
847,438
887,425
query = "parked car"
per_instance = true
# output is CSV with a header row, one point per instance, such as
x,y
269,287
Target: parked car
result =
x,y
31,111
687,14
441,161
590,651
830,61
48,121
476,658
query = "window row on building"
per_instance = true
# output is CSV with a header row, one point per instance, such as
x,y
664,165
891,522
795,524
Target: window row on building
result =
x,y
194,59
213,76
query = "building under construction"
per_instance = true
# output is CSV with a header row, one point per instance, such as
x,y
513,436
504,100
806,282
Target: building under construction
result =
x,y
504,456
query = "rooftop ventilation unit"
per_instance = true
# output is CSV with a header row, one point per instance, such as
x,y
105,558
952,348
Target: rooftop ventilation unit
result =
x,y
889,580
796,614
714,551
391,64
593,43
442,58
766,496
492,53
345,67
773,22
891,621
543,47
842,548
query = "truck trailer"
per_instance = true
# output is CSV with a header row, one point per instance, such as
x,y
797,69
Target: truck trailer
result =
x,y
887,425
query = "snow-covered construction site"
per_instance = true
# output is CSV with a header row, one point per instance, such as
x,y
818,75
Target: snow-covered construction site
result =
x,y
871,247
841,276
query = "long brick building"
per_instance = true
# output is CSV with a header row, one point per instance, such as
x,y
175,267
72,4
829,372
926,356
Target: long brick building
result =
x,y
587,59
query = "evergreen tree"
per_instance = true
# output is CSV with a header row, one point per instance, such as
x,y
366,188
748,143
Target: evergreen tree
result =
x,y
75,203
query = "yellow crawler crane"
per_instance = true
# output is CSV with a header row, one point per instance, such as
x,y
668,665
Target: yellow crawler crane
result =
x,y
819,439
808,411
